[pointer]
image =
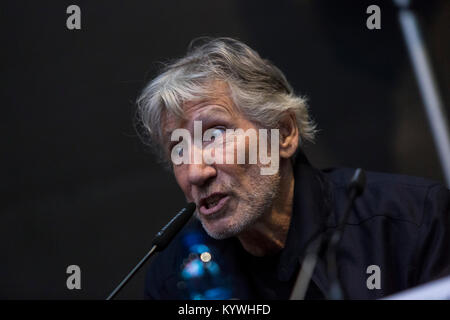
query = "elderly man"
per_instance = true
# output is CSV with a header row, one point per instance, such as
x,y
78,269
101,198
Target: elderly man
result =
x,y
252,225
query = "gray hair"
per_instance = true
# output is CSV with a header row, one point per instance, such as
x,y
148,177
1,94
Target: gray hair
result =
x,y
257,87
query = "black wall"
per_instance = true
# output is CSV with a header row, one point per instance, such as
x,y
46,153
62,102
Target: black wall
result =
x,y
77,185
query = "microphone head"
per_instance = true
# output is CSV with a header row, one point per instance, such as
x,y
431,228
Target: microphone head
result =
x,y
358,182
166,234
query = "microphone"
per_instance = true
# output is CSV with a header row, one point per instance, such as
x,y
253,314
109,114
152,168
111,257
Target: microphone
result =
x,y
160,241
166,234
357,183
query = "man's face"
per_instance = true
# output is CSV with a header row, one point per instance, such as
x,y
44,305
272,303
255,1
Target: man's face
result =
x,y
229,197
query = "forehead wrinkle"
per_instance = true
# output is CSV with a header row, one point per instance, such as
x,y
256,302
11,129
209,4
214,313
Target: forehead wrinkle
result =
x,y
212,112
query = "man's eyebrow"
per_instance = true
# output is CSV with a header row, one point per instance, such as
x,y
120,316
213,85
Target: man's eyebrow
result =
x,y
209,114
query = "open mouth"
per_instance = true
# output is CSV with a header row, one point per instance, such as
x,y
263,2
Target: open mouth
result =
x,y
213,203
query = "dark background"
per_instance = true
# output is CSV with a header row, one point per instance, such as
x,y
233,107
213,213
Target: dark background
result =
x,y
78,187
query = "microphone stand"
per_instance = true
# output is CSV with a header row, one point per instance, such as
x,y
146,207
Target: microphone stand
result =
x,y
434,107
161,240
307,269
356,188
335,292
131,274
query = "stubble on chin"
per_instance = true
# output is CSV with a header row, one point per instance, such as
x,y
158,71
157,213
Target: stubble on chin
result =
x,y
250,207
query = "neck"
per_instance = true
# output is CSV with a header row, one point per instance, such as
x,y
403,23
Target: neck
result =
x,y
268,235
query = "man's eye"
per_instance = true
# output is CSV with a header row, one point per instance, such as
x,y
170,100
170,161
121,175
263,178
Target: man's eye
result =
x,y
217,132
179,150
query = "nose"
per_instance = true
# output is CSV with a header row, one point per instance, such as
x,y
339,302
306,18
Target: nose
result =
x,y
200,174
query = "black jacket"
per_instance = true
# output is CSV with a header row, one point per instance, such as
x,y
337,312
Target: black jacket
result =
x,y
400,224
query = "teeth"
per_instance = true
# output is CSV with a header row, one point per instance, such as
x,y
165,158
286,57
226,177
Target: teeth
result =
x,y
211,202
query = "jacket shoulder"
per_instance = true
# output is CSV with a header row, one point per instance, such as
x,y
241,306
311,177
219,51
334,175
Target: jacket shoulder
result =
x,y
394,196
400,223
342,176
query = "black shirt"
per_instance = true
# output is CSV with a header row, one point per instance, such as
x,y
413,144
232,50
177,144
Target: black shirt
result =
x,y
263,279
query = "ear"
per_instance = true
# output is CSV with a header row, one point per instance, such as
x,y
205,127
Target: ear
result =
x,y
289,135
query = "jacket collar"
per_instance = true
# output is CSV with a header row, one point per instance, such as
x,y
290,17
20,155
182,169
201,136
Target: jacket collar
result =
x,y
311,211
